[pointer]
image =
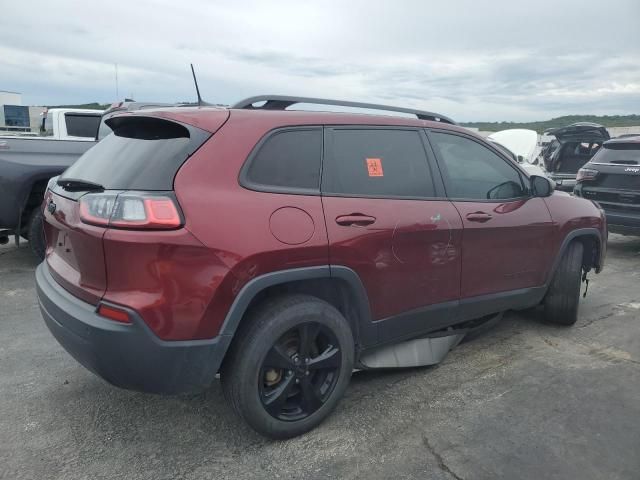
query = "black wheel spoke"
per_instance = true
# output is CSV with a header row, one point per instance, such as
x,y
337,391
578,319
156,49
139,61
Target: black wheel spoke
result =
x,y
329,359
310,397
278,358
274,400
300,371
308,334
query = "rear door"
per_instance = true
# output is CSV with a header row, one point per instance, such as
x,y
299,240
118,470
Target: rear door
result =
x,y
386,221
507,233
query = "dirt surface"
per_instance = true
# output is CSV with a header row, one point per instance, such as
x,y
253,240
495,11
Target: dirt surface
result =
x,y
526,400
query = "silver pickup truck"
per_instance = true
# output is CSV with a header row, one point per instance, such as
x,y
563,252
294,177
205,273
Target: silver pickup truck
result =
x,y
28,162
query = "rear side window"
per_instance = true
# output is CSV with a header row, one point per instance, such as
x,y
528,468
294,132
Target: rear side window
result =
x,y
376,163
79,125
287,159
143,153
474,172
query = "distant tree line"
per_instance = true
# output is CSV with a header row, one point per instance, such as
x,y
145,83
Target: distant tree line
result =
x,y
605,120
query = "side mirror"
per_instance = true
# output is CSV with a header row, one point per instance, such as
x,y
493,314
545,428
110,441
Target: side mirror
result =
x,y
520,159
541,186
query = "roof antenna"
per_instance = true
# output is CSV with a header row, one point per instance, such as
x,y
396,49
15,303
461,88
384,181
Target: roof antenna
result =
x,y
200,102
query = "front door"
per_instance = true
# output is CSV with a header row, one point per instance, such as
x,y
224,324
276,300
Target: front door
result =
x,y
385,221
507,233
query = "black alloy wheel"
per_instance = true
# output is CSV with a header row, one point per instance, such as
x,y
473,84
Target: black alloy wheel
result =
x,y
300,372
289,364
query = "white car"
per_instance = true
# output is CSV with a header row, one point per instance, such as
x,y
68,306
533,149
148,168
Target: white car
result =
x,y
522,145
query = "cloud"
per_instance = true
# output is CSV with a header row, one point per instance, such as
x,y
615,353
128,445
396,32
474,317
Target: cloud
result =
x,y
501,60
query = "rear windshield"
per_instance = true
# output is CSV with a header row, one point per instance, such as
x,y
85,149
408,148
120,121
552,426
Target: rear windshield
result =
x,y
144,153
618,153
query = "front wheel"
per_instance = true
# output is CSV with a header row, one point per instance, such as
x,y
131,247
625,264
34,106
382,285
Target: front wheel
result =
x,y
563,296
290,366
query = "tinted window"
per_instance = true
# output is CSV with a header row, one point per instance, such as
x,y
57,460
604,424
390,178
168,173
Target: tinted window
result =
x,y
79,125
16,116
623,153
376,163
289,159
473,171
144,153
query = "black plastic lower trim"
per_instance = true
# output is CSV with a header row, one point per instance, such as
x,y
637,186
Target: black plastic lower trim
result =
x,y
425,320
126,355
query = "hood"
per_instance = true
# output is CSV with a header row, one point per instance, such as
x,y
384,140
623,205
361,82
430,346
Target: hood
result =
x,y
580,130
522,142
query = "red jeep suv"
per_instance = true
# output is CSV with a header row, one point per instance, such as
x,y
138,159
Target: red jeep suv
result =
x,y
283,249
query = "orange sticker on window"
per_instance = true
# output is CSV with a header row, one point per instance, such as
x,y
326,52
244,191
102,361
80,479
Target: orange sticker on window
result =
x,y
374,167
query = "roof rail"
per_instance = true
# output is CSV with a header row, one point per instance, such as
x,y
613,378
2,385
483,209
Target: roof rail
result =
x,y
281,102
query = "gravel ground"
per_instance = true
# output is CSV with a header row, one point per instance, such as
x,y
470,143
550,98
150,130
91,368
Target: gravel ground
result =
x,y
526,400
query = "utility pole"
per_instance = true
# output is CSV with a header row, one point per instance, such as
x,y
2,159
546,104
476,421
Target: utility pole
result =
x,y
117,93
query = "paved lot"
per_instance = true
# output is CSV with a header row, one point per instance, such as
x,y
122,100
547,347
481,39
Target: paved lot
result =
x,y
524,401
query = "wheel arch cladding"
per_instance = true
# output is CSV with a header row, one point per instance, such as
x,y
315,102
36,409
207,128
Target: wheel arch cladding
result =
x,y
593,249
338,286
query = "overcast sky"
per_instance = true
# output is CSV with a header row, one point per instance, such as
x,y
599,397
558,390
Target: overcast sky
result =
x,y
471,60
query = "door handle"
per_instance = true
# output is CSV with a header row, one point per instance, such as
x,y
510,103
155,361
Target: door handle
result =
x,y
479,217
355,220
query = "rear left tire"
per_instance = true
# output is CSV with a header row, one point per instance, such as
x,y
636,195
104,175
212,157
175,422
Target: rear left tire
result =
x,y
290,366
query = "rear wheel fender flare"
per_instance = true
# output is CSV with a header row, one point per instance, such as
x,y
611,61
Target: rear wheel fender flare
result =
x,y
364,330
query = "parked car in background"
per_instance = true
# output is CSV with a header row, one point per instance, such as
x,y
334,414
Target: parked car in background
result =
x,y
522,146
574,145
28,162
282,249
70,124
612,178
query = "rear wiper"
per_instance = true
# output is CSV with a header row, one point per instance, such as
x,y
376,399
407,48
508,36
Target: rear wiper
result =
x,y
72,185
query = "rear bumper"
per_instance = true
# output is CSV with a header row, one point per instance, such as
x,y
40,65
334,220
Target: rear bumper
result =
x,y
627,223
126,355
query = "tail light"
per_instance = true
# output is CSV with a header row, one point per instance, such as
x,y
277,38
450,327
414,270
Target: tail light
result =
x,y
586,174
133,211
